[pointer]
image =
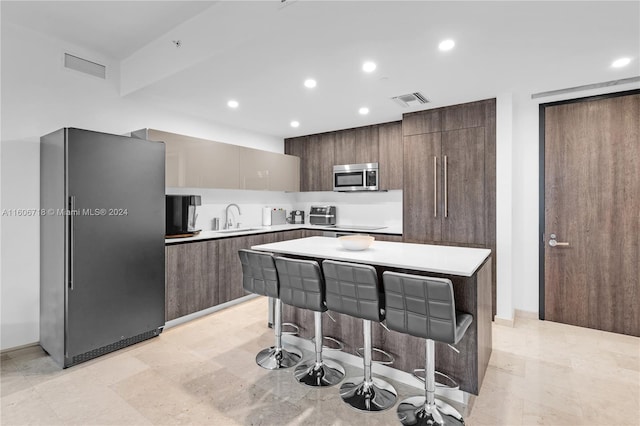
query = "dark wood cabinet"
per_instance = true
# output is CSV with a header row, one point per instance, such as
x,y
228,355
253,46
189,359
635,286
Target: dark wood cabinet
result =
x,y
422,213
298,147
320,152
463,213
366,144
390,156
230,268
312,233
345,148
393,238
191,278
449,177
203,274
417,123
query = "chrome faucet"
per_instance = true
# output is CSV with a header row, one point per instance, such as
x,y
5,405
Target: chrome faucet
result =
x,y
227,222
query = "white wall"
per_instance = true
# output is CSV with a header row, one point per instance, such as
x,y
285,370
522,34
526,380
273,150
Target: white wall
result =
x,y
504,210
38,97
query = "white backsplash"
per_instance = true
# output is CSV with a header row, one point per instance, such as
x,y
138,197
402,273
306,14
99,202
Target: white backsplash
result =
x,y
357,208
352,208
215,201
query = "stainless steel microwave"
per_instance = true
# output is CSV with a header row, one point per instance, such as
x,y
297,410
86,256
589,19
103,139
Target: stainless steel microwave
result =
x,y
356,177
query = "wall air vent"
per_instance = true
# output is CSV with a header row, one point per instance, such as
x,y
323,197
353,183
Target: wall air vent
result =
x,y
75,63
411,99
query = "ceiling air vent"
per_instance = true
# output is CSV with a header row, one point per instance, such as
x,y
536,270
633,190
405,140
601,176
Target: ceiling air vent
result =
x,y
411,99
85,66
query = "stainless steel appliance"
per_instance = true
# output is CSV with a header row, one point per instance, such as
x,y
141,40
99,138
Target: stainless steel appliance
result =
x,y
296,216
356,177
181,214
322,215
101,243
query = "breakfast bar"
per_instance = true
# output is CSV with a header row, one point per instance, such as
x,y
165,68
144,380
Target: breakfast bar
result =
x,y
469,269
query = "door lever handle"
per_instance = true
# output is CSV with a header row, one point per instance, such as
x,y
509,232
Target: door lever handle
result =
x,y
554,243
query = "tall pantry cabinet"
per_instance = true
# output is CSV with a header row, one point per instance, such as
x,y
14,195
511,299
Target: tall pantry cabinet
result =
x,y
449,177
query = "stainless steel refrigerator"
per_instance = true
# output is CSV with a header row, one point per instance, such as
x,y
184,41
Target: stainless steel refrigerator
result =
x,y
102,271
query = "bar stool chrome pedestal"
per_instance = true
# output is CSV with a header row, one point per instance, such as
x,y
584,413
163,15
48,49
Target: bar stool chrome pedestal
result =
x,y
425,307
259,275
352,289
302,286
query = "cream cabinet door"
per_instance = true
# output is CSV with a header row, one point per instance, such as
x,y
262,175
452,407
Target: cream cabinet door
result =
x,y
263,170
198,163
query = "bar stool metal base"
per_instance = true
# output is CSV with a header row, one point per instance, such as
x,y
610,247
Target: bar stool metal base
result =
x,y
413,411
377,396
326,373
275,358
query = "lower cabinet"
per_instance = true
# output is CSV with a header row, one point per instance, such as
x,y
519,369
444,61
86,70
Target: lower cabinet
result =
x,y
230,268
203,274
192,278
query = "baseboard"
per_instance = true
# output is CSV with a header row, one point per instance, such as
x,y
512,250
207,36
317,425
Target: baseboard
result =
x,y
16,348
526,314
208,311
507,322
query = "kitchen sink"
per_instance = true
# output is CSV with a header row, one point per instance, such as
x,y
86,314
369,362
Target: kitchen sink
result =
x,y
228,231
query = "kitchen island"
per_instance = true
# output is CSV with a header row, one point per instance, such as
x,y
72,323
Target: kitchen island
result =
x,y
469,269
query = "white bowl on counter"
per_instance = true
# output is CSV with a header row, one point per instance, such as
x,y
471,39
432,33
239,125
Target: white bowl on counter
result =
x,y
356,242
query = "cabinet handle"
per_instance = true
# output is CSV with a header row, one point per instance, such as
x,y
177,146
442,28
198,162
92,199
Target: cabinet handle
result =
x,y
72,244
435,186
446,182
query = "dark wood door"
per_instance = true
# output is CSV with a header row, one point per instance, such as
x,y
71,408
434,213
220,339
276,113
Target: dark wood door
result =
x,y
390,155
422,183
345,146
592,202
230,268
463,186
366,144
192,281
319,162
298,147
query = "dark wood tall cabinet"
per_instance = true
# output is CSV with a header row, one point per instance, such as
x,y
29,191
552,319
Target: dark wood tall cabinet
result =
x,y
449,177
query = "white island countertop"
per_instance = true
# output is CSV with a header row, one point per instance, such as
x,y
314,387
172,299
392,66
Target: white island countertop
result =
x,y
461,261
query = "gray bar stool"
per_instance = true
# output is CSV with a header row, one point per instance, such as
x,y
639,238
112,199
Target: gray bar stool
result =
x,y
425,307
352,289
259,275
302,286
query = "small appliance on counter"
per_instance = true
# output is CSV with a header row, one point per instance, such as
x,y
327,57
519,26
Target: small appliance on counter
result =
x,y
322,215
296,217
181,215
278,217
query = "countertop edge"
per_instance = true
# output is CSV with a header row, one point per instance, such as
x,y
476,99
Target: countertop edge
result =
x,y
213,235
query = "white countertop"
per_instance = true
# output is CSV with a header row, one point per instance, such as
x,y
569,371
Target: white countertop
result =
x,y
419,257
212,235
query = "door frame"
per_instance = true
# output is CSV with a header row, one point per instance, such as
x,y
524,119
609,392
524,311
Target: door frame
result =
x,y
541,188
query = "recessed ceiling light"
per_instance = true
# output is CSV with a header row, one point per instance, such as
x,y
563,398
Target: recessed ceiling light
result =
x,y
618,63
446,45
295,124
232,104
364,111
369,66
310,83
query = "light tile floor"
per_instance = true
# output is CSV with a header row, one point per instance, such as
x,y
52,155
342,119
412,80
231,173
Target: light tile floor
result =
x,y
203,373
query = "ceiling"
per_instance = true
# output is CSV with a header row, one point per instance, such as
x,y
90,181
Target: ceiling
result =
x,y
260,53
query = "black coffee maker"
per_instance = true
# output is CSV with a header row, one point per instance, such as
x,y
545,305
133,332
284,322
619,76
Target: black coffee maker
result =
x,y
181,214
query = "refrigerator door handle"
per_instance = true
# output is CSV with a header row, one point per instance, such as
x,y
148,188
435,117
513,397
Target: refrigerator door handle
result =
x,y
72,244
